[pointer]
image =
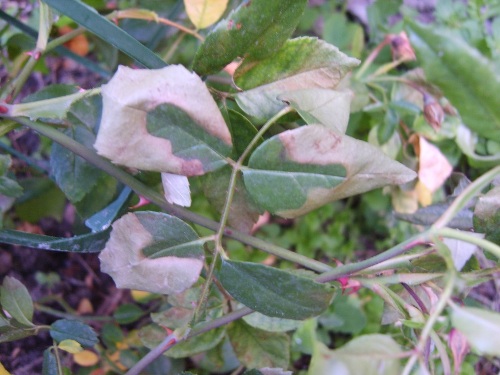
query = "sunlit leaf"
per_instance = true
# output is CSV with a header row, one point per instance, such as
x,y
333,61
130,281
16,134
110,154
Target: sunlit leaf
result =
x,y
70,346
467,78
274,292
302,169
256,348
86,358
480,327
16,301
256,29
162,120
154,252
368,355
203,13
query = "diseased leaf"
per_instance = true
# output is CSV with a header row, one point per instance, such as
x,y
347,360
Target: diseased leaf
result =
x,y
16,300
154,252
203,13
274,292
467,78
330,108
434,168
256,29
256,348
368,355
65,329
487,215
480,327
162,120
270,324
302,169
302,63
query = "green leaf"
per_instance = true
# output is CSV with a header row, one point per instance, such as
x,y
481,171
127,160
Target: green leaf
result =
x,y
274,292
128,313
302,169
103,219
16,300
85,243
49,363
8,334
347,316
255,30
480,327
466,77
256,348
107,30
65,329
302,63
330,108
162,120
206,12
154,252
270,324
368,355
243,213
487,215
428,215
8,187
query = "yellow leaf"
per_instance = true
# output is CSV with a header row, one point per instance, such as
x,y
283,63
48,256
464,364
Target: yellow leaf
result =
x,y
424,194
70,346
140,295
204,13
86,358
433,168
3,371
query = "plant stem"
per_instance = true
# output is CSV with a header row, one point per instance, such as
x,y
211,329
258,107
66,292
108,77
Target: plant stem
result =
x,y
168,343
157,199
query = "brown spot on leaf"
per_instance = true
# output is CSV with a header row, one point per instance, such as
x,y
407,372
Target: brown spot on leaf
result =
x,y
192,168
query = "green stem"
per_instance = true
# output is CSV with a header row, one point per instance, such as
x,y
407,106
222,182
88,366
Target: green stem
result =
x,y
469,192
157,199
348,269
467,237
168,343
61,314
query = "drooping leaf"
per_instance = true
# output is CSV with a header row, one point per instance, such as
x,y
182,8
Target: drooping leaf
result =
x,y
487,215
103,219
154,252
16,300
302,169
302,63
162,120
49,366
368,355
256,29
467,78
15,333
243,213
274,292
85,243
330,108
66,329
480,327
203,13
256,348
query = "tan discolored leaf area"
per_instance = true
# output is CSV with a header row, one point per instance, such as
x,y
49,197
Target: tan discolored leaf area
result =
x,y
204,13
433,168
176,189
175,259
172,101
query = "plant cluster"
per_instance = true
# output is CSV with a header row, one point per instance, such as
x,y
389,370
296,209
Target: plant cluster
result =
x,y
233,188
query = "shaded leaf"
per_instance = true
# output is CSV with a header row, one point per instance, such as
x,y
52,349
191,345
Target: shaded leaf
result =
x,y
162,120
256,348
302,63
466,77
274,292
128,313
203,13
154,252
480,327
49,363
368,355
321,106
103,219
428,215
85,243
8,187
302,169
8,334
461,251
243,213
487,215
256,29
65,329
16,300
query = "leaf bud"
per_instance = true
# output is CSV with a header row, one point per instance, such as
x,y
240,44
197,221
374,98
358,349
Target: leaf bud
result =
x,y
401,48
433,112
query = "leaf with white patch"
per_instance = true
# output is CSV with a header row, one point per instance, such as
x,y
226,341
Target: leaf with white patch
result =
x,y
176,189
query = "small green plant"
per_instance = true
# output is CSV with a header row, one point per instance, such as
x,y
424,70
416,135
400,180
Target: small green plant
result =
x,y
259,121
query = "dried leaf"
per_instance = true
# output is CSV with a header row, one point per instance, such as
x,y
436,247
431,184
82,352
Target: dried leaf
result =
x,y
433,168
203,13
176,189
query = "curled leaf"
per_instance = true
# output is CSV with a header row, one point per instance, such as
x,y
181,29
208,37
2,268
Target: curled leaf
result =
x,y
153,252
162,120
